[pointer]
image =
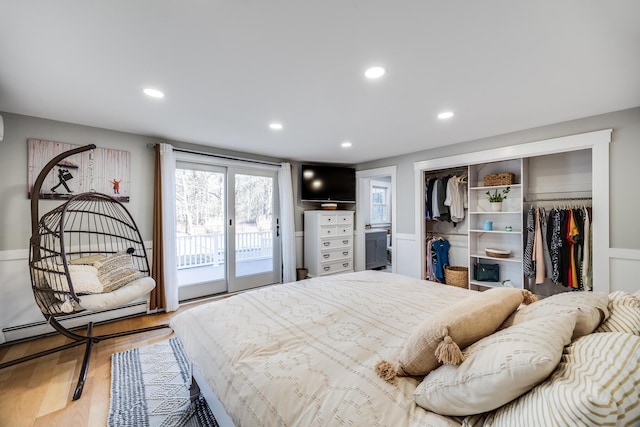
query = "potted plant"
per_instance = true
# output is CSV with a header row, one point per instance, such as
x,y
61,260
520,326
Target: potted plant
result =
x,y
496,198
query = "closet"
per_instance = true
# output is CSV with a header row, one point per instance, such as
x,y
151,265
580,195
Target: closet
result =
x,y
563,173
446,230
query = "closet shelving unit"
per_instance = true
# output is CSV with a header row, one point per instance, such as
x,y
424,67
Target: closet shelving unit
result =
x,y
498,237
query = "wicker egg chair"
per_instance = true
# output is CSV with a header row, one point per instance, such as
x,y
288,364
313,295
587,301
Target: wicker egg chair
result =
x,y
85,255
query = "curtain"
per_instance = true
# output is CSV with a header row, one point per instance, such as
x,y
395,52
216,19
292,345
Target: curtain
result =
x,y
164,228
157,298
287,223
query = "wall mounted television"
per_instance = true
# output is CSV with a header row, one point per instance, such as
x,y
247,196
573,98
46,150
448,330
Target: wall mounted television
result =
x,y
323,183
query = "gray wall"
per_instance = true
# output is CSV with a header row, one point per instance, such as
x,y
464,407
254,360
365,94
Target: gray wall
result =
x,y
624,163
15,209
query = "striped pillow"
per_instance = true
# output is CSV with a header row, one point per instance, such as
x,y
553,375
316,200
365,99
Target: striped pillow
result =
x,y
624,314
596,383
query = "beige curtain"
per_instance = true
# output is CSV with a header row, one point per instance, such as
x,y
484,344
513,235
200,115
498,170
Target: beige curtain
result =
x,y
158,299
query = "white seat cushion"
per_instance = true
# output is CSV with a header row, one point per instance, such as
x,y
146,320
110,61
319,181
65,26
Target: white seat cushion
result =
x,y
124,295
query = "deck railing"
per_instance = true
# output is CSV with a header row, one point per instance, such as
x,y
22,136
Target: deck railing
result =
x,y
209,249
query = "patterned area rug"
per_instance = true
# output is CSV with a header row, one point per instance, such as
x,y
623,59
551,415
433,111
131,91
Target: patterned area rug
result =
x,y
150,387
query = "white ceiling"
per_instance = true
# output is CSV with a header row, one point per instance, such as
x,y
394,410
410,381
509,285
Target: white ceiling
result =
x,y
229,68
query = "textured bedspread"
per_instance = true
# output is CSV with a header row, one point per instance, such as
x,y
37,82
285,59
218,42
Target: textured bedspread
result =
x,y
303,354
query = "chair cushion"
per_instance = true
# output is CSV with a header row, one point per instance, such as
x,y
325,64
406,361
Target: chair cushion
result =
x,y
123,295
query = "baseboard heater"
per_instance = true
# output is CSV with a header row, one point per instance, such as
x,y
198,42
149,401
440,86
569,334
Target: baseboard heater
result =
x,y
78,320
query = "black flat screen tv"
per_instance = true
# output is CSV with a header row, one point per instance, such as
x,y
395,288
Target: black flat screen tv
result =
x,y
334,184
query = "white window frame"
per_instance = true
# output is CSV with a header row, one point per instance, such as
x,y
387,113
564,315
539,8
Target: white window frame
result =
x,y
387,186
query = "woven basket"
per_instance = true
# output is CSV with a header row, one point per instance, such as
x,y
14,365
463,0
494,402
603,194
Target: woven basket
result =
x,y
456,276
494,254
505,178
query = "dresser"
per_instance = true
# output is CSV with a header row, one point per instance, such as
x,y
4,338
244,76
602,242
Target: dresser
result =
x,y
328,242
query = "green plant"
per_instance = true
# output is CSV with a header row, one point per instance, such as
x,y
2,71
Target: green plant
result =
x,y
498,197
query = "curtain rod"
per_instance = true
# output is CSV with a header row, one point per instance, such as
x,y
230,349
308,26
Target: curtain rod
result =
x,y
220,156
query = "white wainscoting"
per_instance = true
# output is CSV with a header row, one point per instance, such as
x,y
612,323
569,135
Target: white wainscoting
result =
x,y
407,257
624,270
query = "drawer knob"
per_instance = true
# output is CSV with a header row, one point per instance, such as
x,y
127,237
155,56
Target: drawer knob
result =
x,y
346,264
327,268
326,243
326,256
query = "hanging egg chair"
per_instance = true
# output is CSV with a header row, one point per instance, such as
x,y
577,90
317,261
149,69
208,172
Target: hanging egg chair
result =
x,y
85,255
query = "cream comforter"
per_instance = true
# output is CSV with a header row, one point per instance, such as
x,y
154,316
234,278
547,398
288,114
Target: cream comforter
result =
x,y
303,353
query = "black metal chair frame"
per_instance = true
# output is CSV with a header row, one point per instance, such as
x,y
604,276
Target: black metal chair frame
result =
x,y
110,232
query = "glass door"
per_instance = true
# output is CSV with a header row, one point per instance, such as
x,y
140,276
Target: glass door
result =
x,y
227,229
254,252
201,232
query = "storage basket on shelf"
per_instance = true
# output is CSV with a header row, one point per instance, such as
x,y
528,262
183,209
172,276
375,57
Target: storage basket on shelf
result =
x,y
456,276
505,178
498,253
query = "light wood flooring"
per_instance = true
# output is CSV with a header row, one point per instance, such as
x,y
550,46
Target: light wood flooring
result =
x,y
39,392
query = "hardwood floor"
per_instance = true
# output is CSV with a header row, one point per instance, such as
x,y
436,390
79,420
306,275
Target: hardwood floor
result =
x,y
39,392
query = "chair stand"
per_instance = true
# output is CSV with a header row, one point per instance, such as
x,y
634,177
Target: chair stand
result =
x,y
88,340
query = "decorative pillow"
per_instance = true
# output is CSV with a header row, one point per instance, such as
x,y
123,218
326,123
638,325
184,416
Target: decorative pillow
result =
x,y
498,368
84,278
117,271
590,308
624,314
440,337
595,384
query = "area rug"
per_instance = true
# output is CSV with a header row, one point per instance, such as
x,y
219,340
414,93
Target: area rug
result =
x,y
150,387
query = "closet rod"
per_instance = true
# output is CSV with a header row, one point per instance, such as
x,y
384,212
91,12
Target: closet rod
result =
x,y
558,199
447,233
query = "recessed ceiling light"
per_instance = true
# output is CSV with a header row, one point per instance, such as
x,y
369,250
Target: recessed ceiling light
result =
x,y
276,126
374,72
445,115
154,93
346,144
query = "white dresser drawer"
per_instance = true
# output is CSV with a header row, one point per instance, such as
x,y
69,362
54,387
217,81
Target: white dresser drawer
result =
x,y
335,267
328,219
344,253
345,218
341,242
328,231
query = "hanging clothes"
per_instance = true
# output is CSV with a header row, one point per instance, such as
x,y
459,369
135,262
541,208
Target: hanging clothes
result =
x,y
440,255
545,243
527,259
456,197
538,252
586,260
554,229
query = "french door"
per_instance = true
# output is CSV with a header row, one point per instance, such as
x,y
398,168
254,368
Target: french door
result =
x,y
227,230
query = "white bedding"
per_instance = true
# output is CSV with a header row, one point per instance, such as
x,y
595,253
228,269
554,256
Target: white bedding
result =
x,y
303,353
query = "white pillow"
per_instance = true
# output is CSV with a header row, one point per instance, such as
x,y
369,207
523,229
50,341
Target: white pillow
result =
x,y
498,368
595,384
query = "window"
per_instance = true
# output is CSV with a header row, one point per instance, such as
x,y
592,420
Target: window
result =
x,y
380,203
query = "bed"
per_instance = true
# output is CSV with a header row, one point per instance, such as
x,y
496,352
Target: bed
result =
x,y
306,353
